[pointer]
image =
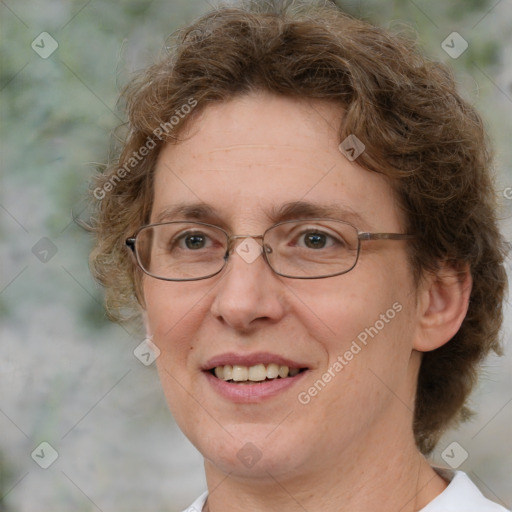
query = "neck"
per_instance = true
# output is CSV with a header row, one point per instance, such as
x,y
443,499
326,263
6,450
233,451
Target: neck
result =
x,y
383,475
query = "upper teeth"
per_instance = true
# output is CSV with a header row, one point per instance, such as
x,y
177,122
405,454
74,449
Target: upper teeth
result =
x,y
254,373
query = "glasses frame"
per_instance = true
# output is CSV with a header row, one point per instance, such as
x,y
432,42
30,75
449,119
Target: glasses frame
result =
x,y
131,241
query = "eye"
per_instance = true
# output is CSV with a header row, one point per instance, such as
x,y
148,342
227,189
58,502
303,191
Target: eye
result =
x,y
191,241
195,241
316,239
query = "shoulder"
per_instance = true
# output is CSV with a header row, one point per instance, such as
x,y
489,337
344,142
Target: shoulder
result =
x,y
198,505
461,495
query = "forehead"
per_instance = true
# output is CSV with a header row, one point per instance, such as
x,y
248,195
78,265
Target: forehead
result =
x,y
255,154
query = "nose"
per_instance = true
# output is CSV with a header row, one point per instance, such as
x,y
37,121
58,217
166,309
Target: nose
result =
x,y
249,293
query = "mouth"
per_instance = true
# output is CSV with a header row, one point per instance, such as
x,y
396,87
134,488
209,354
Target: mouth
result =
x,y
240,374
252,377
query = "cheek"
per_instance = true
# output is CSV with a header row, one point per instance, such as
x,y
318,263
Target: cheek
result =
x,y
170,317
362,317
343,307
367,348
172,320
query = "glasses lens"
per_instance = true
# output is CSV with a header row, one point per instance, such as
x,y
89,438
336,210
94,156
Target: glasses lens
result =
x,y
181,250
316,248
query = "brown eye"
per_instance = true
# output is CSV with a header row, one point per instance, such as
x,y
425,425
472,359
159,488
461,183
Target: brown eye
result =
x,y
192,241
195,241
315,240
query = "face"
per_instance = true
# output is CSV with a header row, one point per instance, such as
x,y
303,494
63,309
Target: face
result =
x,y
349,335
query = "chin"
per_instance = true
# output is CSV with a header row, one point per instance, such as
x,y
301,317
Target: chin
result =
x,y
252,452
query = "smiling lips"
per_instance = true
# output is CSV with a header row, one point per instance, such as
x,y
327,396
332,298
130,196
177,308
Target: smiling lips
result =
x,y
255,373
254,368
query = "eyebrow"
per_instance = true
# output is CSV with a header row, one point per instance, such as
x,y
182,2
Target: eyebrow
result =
x,y
188,211
287,211
306,209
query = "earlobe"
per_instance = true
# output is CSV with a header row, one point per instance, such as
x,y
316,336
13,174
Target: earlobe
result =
x,y
442,306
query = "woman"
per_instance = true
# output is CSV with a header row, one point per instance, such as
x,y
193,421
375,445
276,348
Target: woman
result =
x,y
302,215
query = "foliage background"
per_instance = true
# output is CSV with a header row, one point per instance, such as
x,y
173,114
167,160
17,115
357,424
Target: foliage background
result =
x,y
68,376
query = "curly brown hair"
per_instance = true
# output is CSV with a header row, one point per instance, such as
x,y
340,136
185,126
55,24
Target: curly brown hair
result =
x,y
417,130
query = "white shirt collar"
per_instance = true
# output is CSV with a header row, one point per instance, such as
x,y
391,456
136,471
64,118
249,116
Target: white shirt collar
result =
x,y
461,495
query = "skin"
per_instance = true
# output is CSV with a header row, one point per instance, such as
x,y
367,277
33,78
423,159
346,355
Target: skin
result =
x,y
352,446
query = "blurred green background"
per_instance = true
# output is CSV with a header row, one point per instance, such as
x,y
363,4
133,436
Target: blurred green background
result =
x,y
67,375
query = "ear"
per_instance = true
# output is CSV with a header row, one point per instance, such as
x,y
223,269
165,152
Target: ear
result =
x,y
443,300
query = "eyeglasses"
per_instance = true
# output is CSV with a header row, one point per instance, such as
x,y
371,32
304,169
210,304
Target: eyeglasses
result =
x,y
298,249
